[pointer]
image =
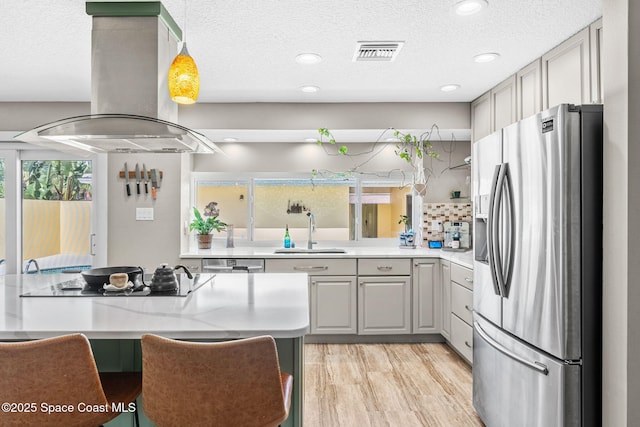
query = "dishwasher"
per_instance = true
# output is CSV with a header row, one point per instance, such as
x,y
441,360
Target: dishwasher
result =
x,y
233,265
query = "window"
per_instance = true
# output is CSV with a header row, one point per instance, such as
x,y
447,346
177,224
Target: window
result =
x,y
286,202
344,209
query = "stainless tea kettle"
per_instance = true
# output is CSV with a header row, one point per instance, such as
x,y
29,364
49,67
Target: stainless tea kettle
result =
x,y
164,278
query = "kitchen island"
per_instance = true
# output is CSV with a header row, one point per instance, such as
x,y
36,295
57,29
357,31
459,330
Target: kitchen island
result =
x,y
228,306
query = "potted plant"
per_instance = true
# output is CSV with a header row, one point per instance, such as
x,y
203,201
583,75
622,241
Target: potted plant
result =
x,y
204,227
404,219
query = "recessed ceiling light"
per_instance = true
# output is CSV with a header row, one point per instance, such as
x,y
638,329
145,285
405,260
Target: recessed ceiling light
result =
x,y
230,139
469,7
449,88
308,58
311,140
309,89
486,57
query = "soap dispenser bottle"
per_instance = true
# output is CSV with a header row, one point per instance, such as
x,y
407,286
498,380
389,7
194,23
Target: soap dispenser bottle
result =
x,y
287,238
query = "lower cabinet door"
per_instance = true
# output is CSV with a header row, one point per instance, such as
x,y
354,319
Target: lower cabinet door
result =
x,y
384,305
426,297
333,304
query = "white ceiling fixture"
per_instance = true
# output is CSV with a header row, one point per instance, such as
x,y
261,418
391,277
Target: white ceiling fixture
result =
x,y
50,42
229,139
486,57
311,140
449,88
309,89
308,58
377,51
470,7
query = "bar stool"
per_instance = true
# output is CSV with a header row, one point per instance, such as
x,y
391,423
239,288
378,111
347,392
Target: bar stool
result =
x,y
231,383
55,382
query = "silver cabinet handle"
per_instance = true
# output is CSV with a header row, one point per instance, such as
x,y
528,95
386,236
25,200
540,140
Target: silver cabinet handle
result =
x,y
468,279
385,268
533,365
361,283
468,308
311,267
467,344
313,283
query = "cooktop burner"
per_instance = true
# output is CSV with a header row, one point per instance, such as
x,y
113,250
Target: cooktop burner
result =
x,y
78,288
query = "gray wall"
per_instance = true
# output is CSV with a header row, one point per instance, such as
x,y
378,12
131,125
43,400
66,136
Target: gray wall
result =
x,y
144,243
621,334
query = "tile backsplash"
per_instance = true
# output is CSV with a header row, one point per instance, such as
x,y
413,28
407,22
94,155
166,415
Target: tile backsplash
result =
x,y
433,212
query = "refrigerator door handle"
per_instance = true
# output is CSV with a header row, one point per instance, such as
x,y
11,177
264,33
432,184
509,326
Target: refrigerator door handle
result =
x,y
495,230
490,230
510,230
531,364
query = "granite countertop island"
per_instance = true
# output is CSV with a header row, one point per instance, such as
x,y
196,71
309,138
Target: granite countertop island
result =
x,y
226,307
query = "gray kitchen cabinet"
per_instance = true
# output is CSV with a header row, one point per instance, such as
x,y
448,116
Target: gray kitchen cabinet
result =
x,y
333,304
445,279
529,90
384,305
503,104
596,61
481,117
332,291
461,315
384,296
426,296
566,74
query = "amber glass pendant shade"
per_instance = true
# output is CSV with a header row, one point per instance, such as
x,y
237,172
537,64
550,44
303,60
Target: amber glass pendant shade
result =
x,y
184,81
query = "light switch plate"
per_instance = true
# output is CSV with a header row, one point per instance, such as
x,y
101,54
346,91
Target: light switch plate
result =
x,y
144,214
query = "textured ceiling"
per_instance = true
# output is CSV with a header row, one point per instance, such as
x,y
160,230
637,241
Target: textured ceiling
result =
x,y
245,49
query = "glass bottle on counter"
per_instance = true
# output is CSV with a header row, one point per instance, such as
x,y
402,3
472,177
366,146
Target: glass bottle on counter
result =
x,y
287,238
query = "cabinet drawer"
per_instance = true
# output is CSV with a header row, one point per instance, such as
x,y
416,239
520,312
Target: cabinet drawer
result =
x,y
384,267
462,337
461,302
312,266
462,275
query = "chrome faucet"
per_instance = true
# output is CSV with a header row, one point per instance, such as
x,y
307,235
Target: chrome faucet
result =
x,y
312,228
31,261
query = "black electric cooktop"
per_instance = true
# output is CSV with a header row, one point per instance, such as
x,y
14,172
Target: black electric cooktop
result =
x,y
77,287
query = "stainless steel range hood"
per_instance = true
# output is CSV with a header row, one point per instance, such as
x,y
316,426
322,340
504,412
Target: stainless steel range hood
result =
x,y
132,47
119,133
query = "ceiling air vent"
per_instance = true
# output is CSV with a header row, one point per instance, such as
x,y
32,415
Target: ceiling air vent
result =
x,y
377,51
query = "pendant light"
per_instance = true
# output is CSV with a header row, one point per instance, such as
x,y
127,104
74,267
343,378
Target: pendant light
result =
x,y
184,81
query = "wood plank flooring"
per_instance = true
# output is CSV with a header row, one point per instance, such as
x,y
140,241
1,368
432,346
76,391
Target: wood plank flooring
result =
x,y
353,385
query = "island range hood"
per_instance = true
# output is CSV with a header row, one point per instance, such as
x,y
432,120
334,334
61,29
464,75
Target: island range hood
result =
x,y
132,46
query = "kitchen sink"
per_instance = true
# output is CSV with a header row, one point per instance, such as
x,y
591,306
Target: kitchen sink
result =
x,y
310,251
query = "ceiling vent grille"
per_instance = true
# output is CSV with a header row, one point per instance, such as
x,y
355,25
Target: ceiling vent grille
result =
x,y
377,51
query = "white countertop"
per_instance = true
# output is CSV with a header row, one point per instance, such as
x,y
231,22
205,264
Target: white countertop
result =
x,y
463,258
229,306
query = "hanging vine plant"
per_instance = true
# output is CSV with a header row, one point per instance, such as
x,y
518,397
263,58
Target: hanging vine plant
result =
x,y
408,147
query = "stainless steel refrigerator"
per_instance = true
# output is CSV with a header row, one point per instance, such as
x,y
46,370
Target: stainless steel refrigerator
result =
x,y
537,188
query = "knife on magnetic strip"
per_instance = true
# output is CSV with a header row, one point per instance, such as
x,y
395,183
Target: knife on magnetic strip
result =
x,y
146,178
126,177
154,182
138,179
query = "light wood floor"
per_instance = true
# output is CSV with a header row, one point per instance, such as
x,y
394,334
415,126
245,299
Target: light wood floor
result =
x,y
353,385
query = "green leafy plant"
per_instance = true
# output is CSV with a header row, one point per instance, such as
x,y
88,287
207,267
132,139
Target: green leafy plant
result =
x,y
206,226
408,146
404,220
55,180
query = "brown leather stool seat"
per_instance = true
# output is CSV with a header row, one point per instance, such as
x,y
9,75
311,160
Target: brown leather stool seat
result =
x,y
232,383
55,382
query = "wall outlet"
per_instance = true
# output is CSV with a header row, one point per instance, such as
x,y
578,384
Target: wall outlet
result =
x,y
144,214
